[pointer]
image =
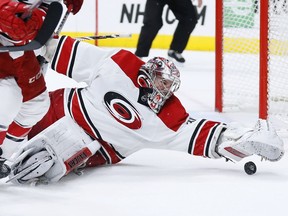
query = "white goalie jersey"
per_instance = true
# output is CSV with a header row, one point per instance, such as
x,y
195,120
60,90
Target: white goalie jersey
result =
x,y
113,109
114,112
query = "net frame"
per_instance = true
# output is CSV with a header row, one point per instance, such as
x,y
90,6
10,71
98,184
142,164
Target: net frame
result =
x,y
264,78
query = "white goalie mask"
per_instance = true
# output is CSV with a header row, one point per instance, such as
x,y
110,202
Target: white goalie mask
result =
x,y
162,77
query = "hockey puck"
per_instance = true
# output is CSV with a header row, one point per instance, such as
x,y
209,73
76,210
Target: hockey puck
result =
x,y
250,168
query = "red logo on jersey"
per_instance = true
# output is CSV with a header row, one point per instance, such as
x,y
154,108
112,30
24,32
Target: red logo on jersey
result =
x,y
122,110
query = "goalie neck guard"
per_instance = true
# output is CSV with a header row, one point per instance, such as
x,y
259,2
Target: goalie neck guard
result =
x,y
162,77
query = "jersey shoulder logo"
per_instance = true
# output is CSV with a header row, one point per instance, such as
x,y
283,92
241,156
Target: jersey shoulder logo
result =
x,y
122,110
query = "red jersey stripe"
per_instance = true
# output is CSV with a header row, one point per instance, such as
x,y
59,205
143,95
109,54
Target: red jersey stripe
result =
x,y
17,130
79,117
129,64
202,138
65,55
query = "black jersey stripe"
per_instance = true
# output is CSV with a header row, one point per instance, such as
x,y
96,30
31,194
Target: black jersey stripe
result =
x,y
69,102
86,115
121,157
210,137
105,155
71,64
191,143
57,52
15,139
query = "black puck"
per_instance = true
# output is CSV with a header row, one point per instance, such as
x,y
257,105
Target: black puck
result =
x,y
250,168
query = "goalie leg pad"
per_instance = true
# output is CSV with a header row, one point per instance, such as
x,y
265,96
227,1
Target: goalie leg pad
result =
x,y
67,145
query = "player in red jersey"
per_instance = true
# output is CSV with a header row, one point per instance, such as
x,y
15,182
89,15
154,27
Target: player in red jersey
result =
x,y
22,71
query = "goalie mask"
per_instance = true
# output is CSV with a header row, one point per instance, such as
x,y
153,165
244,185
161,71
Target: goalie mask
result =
x,y
163,79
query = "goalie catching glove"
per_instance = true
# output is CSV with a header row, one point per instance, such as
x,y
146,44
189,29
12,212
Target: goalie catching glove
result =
x,y
237,142
52,154
16,30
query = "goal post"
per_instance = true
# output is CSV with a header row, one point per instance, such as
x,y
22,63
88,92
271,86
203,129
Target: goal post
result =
x,y
263,60
218,55
252,57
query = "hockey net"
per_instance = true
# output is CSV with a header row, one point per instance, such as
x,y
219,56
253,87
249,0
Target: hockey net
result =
x,y
252,57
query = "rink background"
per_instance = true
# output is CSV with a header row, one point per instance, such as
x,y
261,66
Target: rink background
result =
x,y
159,182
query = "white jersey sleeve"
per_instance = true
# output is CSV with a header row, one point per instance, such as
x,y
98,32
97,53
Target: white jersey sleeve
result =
x,y
198,137
89,59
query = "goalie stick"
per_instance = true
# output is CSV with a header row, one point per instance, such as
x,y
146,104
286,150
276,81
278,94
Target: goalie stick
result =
x,y
63,21
51,20
96,37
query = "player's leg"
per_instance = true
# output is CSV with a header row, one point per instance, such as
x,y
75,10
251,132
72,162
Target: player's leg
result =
x,y
186,14
34,104
151,25
11,100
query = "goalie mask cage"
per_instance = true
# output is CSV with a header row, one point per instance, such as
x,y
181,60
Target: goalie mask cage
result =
x,y
252,57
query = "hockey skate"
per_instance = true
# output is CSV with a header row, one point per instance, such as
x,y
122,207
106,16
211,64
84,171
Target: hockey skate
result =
x,y
237,143
175,56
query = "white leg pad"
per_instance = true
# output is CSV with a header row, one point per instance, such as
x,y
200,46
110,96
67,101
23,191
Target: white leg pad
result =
x,y
67,146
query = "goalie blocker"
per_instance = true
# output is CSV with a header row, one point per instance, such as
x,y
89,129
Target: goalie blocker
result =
x,y
52,154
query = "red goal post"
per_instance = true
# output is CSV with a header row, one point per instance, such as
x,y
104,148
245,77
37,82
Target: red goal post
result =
x,y
252,57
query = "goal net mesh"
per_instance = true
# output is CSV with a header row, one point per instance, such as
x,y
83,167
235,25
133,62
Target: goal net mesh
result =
x,y
241,56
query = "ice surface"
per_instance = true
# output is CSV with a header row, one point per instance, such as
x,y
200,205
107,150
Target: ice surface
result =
x,y
159,182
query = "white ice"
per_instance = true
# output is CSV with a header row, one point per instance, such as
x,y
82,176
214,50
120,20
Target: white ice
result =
x,y
159,182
